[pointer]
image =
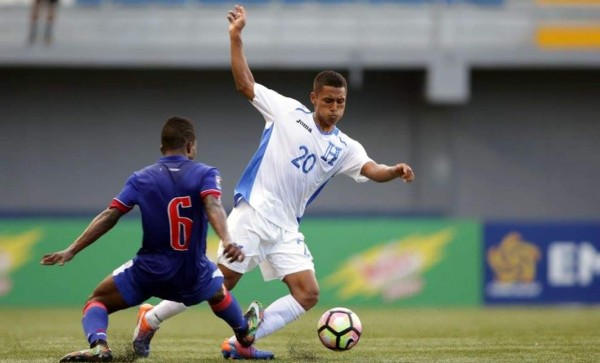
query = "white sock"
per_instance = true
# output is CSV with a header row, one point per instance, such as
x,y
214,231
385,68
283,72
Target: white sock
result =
x,y
163,311
279,314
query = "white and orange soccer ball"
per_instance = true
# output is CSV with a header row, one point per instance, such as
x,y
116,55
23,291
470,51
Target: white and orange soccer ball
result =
x,y
339,329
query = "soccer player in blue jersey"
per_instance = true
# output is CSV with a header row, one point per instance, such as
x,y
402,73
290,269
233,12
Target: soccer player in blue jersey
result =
x,y
177,198
300,151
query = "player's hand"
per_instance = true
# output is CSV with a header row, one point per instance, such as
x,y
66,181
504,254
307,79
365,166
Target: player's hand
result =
x,y
405,172
233,253
57,258
237,19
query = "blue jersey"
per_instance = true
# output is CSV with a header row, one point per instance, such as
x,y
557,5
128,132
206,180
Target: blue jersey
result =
x,y
169,195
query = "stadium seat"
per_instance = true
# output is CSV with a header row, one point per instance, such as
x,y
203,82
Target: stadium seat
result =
x,y
485,2
149,2
320,1
89,2
402,2
233,2
422,2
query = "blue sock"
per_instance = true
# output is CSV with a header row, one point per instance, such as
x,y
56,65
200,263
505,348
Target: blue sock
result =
x,y
230,311
95,321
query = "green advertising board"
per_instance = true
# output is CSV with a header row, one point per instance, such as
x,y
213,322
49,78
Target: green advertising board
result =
x,y
397,262
23,242
373,261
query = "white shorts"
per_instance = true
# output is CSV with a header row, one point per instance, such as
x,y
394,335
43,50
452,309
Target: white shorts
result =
x,y
277,251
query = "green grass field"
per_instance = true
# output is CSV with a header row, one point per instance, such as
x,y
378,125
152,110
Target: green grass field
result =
x,y
429,335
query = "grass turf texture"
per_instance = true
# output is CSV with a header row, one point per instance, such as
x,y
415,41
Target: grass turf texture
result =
x,y
411,335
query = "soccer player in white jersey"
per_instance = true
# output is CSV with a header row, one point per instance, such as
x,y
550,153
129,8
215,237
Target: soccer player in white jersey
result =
x,y
300,151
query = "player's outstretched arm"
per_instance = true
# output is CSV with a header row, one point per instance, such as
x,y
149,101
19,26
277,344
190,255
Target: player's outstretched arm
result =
x,y
384,173
218,220
242,75
101,224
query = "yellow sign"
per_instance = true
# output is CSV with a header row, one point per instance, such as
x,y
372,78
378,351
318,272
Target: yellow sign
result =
x,y
393,270
15,251
569,36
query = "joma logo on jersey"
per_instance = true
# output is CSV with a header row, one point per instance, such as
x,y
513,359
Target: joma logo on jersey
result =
x,y
298,121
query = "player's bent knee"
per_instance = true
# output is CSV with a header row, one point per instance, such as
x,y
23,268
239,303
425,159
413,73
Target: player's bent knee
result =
x,y
308,299
230,283
230,277
311,303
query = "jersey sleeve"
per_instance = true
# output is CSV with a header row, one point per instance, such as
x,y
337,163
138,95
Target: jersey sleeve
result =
x,y
128,197
270,103
211,184
356,158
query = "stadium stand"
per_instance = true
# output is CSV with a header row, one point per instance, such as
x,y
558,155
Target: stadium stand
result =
x,y
445,37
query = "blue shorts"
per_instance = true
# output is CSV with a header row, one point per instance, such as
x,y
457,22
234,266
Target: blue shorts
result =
x,y
137,285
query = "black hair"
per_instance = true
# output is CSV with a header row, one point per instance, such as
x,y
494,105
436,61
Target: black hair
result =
x,y
329,78
176,132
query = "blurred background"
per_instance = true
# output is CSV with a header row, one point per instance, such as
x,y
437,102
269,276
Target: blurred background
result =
x,y
494,103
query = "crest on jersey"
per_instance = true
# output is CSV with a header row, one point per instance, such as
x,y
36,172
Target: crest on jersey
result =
x,y
218,181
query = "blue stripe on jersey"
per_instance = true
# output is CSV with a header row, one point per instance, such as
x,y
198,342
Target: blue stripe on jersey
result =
x,y
304,110
316,193
244,186
313,197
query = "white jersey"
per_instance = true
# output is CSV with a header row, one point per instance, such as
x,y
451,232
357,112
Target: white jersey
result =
x,y
294,160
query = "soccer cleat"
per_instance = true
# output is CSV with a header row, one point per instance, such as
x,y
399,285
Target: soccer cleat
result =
x,y
234,350
99,353
254,315
143,333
